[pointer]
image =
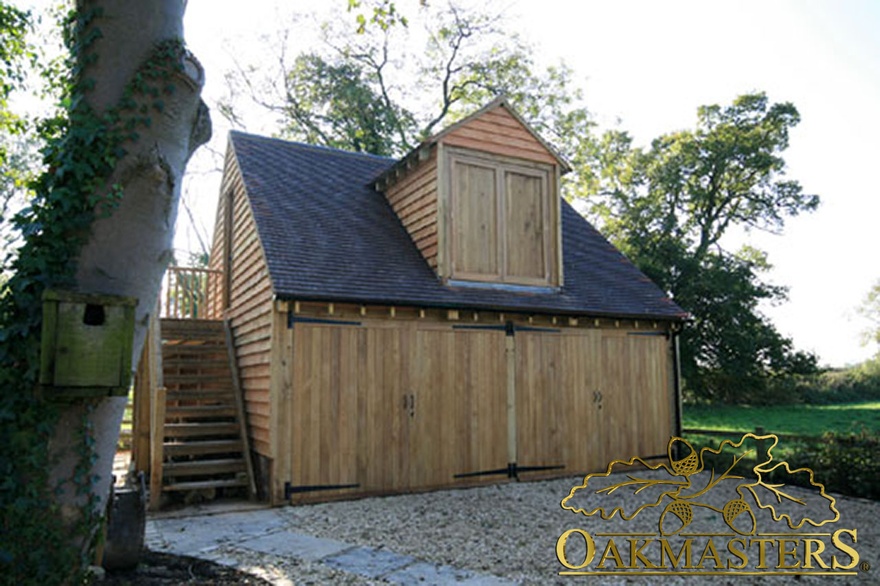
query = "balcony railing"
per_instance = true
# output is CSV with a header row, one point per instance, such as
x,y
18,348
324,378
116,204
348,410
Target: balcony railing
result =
x,y
192,293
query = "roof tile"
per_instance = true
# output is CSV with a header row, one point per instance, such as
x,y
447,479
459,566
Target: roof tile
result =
x,y
328,235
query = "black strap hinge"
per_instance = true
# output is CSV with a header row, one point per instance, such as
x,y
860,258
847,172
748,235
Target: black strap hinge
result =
x,y
289,489
296,319
512,470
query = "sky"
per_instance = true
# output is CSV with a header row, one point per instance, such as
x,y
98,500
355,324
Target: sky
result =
x,y
645,67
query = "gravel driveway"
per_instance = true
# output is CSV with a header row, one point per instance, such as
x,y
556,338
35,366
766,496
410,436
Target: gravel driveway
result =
x,y
510,531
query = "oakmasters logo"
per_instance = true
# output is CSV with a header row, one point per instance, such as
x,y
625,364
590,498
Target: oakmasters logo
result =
x,y
700,514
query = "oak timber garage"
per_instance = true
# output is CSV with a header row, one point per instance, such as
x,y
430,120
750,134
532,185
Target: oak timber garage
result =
x,y
422,405
441,320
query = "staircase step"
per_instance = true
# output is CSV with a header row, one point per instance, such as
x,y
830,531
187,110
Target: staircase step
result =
x,y
203,484
199,411
197,363
189,329
200,448
178,430
172,378
204,467
200,394
171,350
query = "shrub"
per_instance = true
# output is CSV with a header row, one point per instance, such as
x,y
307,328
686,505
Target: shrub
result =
x,y
847,463
844,463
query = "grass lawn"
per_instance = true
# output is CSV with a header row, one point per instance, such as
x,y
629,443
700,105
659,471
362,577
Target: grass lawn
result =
x,y
810,420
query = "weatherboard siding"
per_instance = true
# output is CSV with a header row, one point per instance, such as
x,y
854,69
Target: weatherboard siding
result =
x,y
250,310
413,197
498,132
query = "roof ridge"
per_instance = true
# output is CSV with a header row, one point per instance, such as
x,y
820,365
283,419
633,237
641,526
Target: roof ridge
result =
x,y
305,145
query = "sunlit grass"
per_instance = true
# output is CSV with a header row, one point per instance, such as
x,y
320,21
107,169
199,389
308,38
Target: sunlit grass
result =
x,y
809,420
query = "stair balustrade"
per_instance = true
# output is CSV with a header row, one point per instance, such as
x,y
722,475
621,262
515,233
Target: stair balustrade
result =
x,y
192,293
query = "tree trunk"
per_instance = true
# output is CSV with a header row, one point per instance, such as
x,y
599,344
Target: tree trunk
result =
x,y
127,252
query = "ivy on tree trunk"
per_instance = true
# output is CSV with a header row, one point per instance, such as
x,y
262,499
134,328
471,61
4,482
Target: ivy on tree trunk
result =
x,y
102,222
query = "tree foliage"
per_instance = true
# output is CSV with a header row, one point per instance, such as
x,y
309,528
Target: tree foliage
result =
x,y
393,80
15,53
669,207
870,309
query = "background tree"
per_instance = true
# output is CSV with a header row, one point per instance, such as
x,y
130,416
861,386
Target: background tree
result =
x,y
15,53
669,207
401,78
100,220
870,309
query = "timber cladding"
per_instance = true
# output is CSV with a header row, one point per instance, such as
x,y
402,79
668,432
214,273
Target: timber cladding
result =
x,y
441,320
247,303
414,200
374,404
499,132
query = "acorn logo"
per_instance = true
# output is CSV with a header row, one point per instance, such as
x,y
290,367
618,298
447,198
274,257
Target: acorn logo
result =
x,y
690,490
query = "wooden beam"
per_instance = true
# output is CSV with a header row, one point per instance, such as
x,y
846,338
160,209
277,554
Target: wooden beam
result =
x,y
280,396
157,441
510,356
146,380
239,407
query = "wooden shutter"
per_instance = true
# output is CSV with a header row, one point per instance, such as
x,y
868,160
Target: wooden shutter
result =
x,y
526,227
475,249
503,225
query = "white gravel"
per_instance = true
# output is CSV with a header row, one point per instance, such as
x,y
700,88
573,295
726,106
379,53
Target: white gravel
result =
x,y
510,530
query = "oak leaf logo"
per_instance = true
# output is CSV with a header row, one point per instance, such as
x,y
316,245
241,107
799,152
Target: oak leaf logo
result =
x,y
681,485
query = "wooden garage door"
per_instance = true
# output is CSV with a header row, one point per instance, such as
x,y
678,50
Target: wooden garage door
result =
x,y
559,424
379,407
636,399
384,409
459,420
586,397
323,406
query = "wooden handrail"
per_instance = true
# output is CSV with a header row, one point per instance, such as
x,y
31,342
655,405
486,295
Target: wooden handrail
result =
x,y
192,293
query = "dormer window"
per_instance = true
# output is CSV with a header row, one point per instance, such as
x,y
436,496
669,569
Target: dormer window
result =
x,y
480,201
502,220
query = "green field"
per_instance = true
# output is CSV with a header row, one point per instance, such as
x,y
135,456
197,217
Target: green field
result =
x,y
808,420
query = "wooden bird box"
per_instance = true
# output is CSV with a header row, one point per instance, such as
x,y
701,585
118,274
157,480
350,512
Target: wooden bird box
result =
x,y
86,344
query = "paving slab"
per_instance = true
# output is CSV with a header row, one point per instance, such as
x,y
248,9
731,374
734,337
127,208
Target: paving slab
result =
x,y
369,562
191,535
436,574
265,531
296,545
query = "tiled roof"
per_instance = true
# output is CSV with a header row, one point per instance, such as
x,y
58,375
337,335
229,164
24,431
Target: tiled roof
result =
x,y
328,235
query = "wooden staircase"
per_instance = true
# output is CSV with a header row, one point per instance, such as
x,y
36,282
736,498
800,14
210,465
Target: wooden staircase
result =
x,y
202,441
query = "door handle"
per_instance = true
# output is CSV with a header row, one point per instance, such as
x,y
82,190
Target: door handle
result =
x,y
409,404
